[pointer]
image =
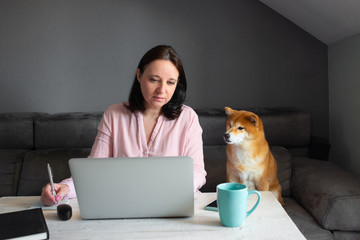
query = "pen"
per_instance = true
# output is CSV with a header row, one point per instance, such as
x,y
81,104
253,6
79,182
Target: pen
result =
x,y
51,180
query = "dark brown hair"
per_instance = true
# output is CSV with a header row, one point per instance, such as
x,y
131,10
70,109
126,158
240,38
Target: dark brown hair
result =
x,y
172,109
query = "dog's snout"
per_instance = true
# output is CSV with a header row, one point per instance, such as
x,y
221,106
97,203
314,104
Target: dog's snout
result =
x,y
226,136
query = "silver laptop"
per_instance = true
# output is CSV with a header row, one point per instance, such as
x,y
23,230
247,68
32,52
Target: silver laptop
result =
x,y
145,187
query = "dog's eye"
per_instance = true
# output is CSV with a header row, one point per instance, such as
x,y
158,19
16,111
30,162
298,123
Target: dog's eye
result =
x,y
240,128
229,125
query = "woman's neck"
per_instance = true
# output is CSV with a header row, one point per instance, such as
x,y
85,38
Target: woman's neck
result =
x,y
152,113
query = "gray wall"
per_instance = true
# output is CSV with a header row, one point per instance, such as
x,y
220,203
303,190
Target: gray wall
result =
x,y
344,76
66,55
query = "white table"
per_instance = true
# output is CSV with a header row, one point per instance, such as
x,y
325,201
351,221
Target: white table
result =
x,y
268,221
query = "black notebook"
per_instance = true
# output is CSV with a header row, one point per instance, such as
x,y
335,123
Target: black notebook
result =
x,y
25,223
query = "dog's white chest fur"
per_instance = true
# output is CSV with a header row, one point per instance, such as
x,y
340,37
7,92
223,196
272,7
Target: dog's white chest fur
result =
x,y
247,174
248,179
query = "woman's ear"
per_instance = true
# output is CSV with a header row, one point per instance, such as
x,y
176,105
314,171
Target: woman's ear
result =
x,y
138,74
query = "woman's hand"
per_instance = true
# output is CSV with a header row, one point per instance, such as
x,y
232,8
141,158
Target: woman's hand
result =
x,y
48,199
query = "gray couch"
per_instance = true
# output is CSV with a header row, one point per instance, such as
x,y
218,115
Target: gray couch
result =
x,y
322,199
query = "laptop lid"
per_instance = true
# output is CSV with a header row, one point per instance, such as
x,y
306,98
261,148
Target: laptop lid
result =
x,y
140,187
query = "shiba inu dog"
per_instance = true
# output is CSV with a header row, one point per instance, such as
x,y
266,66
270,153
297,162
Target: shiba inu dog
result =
x,y
249,160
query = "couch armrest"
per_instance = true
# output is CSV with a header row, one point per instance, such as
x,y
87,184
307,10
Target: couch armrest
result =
x,y
329,193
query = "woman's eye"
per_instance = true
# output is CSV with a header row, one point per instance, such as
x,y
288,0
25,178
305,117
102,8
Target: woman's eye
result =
x,y
171,83
240,128
152,80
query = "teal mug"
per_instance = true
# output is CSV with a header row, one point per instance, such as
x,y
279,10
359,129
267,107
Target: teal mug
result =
x,y
232,201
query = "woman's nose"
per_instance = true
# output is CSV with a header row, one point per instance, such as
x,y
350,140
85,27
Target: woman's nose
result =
x,y
161,88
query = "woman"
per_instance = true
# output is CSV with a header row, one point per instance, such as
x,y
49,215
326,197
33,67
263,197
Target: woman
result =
x,y
154,122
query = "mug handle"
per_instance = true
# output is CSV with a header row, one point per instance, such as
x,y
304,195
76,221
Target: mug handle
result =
x,y
257,202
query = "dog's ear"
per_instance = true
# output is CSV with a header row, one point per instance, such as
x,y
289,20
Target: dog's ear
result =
x,y
228,111
254,120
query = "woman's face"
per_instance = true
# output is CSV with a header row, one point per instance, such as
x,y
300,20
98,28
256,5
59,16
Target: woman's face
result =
x,y
158,83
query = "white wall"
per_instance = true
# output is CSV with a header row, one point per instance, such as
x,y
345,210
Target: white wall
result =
x,y
344,94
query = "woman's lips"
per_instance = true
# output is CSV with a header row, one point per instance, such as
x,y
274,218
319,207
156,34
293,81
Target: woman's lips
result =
x,y
159,98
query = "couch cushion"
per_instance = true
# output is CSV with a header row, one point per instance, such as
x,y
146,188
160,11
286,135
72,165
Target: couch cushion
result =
x,y
328,192
11,163
66,130
305,222
344,235
34,173
215,166
283,161
16,130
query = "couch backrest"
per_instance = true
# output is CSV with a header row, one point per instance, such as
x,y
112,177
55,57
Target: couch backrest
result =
x,y
17,130
66,130
287,127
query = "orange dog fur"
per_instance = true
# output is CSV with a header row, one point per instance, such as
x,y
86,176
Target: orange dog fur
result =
x,y
249,160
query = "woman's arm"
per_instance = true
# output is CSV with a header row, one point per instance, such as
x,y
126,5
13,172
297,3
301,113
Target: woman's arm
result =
x,y
194,148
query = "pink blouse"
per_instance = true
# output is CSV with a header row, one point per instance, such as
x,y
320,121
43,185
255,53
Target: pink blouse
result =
x,y
122,134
